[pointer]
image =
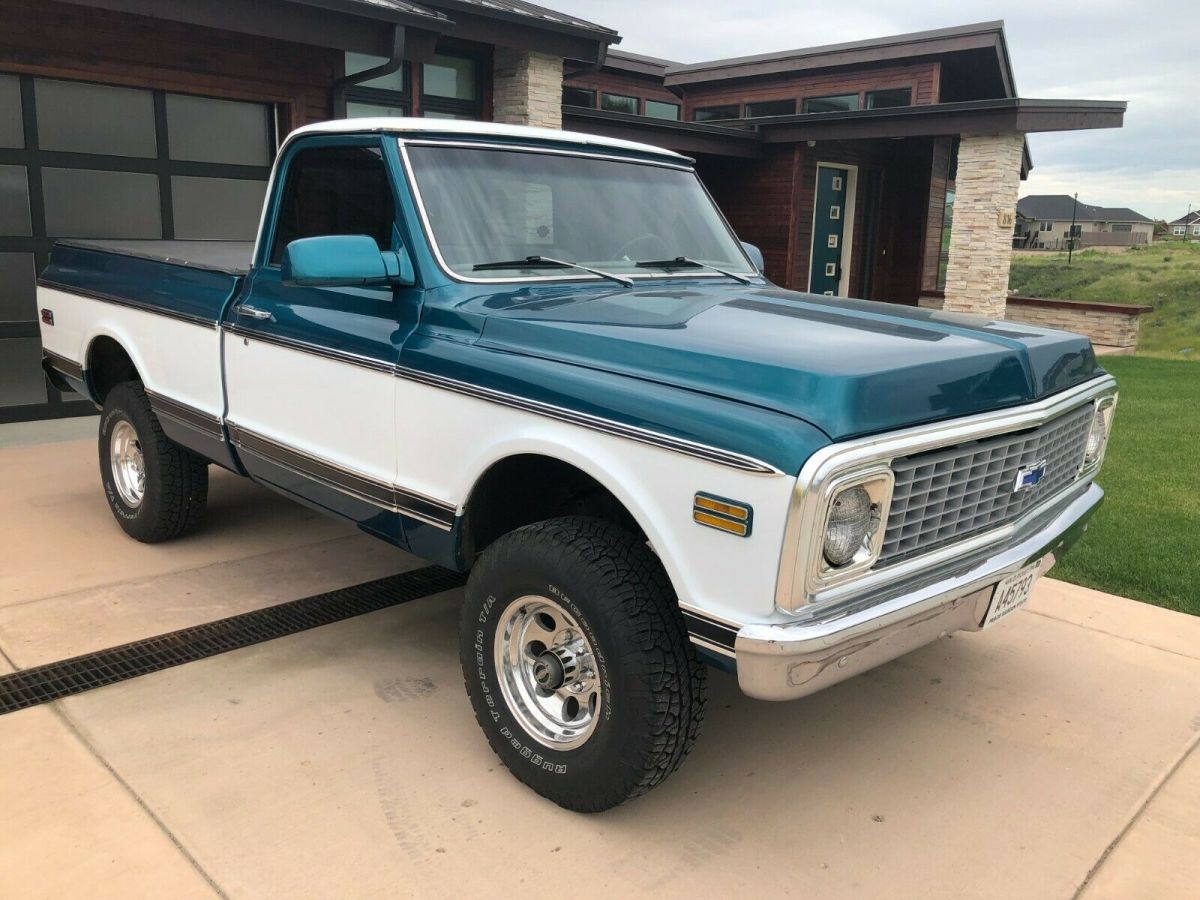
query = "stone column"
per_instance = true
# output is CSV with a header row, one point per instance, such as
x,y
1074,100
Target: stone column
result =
x,y
527,88
985,205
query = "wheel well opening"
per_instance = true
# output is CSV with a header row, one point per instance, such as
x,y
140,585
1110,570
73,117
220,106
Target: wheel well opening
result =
x,y
107,366
521,490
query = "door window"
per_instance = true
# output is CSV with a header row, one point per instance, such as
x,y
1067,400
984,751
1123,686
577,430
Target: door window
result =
x,y
335,190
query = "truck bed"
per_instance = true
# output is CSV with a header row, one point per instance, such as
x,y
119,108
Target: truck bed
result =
x,y
226,257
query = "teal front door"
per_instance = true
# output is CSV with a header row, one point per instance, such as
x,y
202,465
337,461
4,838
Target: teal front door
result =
x,y
829,221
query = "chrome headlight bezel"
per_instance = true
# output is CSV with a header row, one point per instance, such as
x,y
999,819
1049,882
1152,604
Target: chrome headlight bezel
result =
x,y
1105,410
879,482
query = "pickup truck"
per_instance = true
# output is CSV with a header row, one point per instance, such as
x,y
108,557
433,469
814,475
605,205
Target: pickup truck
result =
x,y
545,358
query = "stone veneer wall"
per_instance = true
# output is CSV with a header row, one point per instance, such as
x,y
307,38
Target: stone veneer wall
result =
x,y
527,88
1105,324
1109,325
985,204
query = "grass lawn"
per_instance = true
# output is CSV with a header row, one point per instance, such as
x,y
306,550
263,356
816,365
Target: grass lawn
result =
x,y
1164,275
1145,540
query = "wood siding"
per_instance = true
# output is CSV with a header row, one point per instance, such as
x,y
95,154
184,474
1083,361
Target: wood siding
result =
x,y
923,78
58,40
759,199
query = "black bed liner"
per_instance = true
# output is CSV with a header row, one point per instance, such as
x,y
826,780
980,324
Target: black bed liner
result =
x,y
227,257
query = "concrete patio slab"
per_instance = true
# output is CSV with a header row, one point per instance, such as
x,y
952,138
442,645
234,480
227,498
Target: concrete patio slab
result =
x,y
1160,854
72,829
59,536
33,634
1019,753
1107,613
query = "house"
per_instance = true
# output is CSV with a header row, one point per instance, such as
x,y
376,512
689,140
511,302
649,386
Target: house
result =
x,y
886,169
858,168
1187,227
1044,222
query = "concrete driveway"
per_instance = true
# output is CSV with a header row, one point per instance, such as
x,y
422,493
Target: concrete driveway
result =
x,y
1053,756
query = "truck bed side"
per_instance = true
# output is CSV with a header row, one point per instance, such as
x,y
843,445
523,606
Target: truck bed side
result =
x,y
161,303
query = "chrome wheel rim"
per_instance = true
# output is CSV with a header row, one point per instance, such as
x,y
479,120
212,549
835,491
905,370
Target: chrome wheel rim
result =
x,y
547,672
128,464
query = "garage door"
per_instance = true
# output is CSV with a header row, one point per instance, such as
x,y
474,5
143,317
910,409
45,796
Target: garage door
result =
x,y
99,161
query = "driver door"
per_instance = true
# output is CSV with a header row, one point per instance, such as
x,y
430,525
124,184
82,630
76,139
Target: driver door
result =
x,y
309,370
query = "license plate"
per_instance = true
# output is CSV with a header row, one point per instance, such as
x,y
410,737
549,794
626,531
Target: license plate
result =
x,y
1012,593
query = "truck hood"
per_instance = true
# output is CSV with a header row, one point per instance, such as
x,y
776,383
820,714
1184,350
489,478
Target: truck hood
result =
x,y
849,367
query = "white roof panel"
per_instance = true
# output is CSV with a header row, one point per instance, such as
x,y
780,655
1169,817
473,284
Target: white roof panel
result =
x,y
413,127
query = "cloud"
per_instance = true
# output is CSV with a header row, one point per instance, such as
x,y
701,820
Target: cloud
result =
x,y
1143,52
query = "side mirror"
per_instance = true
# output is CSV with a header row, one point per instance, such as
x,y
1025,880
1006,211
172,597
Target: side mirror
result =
x,y
755,255
345,260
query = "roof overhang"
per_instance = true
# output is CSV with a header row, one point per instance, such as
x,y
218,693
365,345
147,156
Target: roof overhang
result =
x,y
980,36
969,117
368,26
684,137
747,138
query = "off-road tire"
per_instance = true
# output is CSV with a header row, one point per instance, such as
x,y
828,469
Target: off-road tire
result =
x,y
176,490
653,684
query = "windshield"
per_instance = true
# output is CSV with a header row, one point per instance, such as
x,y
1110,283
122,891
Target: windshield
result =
x,y
497,208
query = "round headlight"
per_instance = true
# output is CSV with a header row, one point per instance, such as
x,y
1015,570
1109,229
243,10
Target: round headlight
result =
x,y
1096,436
850,521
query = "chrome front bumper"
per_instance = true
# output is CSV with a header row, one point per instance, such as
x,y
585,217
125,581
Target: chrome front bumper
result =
x,y
782,662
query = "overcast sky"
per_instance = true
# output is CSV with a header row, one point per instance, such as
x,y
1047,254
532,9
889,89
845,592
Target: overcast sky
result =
x,y
1143,51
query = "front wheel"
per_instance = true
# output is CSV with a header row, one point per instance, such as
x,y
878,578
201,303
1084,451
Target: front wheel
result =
x,y
156,489
578,664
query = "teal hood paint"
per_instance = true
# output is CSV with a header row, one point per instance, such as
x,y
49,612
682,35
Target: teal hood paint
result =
x,y
848,367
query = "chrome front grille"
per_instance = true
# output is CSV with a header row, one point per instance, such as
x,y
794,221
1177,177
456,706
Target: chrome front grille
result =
x,y
947,495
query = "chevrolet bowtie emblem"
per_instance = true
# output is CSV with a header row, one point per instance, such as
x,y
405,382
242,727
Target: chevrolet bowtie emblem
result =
x,y
1029,476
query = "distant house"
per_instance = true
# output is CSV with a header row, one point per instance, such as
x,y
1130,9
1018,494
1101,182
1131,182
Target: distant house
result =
x,y
1044,223
1188,226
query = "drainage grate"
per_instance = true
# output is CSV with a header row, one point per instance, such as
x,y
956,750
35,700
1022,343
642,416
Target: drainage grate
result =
x,y
53,681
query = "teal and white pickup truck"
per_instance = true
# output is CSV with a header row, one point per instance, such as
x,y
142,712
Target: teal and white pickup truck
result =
x,y
545,358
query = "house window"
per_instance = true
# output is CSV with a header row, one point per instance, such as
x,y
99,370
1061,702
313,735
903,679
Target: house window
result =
x,y
891,97
771,108
450,87
1120,226
620,103
1196,230
575,96
1046,226
658,109
944,250
387,95
1179,230
715,113
839,103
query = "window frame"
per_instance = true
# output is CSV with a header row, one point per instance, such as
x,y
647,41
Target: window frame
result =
x,y
746,109
637,101
1178,231
471,109
34,159
737,112
867,95
678,107
858,101
595,96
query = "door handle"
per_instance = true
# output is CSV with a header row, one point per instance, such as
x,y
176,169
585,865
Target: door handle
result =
x,y
253,312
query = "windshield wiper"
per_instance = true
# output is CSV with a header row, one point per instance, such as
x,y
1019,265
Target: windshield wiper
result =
x,y
683,262
545,262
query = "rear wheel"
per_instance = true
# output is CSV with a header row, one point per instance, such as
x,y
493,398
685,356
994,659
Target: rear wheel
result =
x,y
578,663
156,489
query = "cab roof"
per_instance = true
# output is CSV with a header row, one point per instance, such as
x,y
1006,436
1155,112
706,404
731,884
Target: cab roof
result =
x,y
453,128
